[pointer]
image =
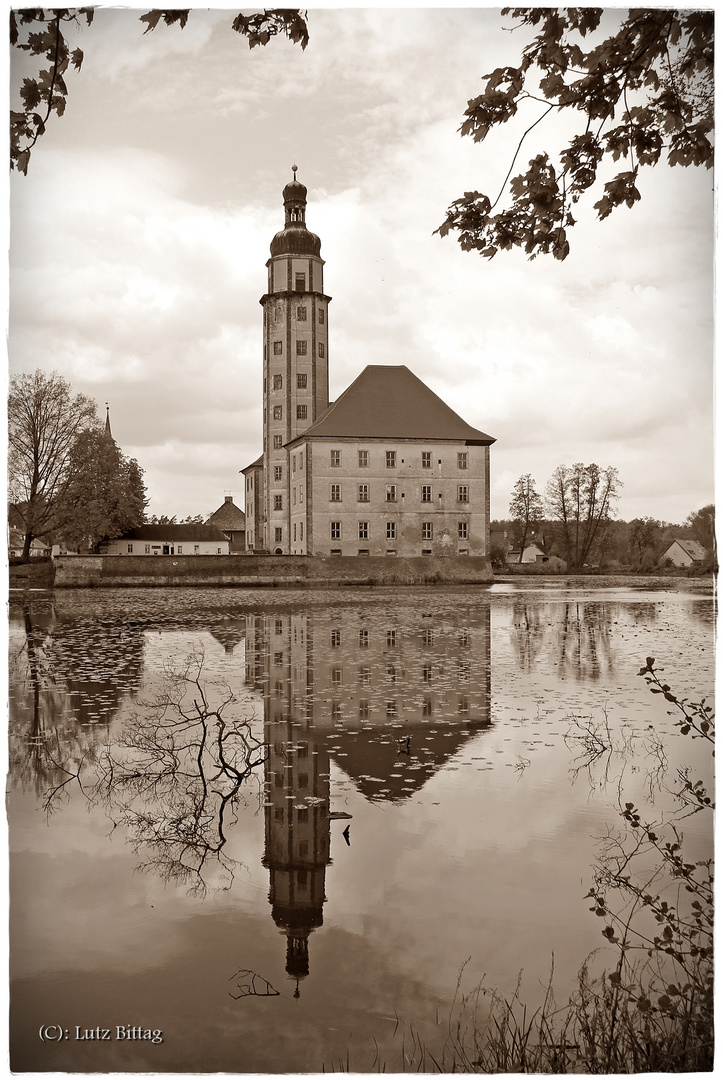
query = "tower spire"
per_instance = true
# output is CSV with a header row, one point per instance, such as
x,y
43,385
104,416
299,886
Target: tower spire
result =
x,y
107,420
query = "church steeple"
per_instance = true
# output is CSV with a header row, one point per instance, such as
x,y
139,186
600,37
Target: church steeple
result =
x,y
107,421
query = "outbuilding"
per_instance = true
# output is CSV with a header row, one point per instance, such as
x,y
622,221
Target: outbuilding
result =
x,y
684,553
169,540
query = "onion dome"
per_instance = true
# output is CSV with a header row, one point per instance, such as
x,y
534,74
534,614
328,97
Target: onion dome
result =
x,y
295,238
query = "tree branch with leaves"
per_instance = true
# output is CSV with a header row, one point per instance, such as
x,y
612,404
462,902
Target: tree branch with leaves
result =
x,y
643,94
42,33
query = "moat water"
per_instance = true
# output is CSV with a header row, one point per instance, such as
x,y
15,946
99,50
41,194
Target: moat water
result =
x,y
362,804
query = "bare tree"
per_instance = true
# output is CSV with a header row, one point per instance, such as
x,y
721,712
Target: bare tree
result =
x,y
44,420
580,498
526,508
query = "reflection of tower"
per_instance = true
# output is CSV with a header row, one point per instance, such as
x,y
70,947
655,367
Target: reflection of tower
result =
x,y
297,778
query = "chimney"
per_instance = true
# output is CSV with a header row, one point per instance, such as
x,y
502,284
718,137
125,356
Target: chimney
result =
x,y
228,498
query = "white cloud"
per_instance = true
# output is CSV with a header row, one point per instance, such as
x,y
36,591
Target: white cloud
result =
x,y
140,237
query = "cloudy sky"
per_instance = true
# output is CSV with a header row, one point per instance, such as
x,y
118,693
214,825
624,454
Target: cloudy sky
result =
x,y
140,236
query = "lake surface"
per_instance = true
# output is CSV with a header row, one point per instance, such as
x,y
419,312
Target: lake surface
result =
x,y
367,799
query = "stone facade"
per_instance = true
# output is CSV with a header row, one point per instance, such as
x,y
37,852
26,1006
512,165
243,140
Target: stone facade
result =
x,y
388,469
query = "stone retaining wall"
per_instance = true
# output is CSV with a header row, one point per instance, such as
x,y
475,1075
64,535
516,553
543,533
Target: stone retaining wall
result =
x,y
83,571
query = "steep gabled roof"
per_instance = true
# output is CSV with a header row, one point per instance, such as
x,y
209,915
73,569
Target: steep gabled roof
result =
x,y
691,548
390,402
228,516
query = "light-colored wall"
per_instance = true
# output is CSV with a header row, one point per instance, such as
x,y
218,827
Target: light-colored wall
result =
x,y
444,512
183,547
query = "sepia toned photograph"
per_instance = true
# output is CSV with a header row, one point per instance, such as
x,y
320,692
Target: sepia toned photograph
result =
x,y
361,540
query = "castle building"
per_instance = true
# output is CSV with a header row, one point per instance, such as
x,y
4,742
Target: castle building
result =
x,y
387,469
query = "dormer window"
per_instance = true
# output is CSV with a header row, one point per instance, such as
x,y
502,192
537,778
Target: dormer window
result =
x,y
300,282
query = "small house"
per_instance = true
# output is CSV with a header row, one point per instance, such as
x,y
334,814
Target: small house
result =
x,y
16,544
169,540
533,553
684,553
232,522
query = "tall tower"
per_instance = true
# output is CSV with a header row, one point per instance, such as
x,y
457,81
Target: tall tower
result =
x,y
296,355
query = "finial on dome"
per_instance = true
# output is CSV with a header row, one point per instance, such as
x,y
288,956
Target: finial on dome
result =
x,y
294,170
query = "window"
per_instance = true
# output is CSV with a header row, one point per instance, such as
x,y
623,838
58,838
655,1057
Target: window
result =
x,y
300,282
427,637
335,459
301,314
278,347
301,382
335,493
278,661
277,442
392,672
278,502
278,534
179,549
365,675
426,530
336,711
391,639
301,530
391,459
363,459
461,461
363,493
196,549
277,472
336,676
278,412
463,530
363,639
301,461
336,530
148,549
301,492
130,549
278,382
426,492
321,348
363,709
301,348
391,530
426,459
321,315
301,412
462,493
391,492
391,708
278,626
336,639
294,530
363,530
427,673
293,495
293,463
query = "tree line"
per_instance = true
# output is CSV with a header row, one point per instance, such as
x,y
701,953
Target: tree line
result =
x,y
575,522
67,478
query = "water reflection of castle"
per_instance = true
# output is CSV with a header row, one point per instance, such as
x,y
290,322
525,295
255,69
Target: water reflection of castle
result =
x,y
389,696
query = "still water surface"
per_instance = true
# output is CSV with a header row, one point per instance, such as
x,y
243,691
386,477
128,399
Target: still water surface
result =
x,y
398,793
